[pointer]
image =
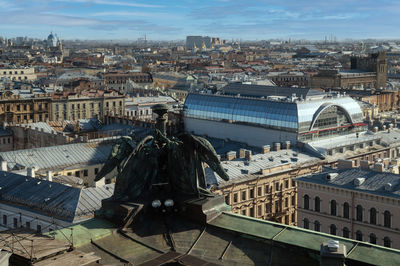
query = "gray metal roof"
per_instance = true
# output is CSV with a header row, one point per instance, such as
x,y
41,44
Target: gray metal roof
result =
x,y
52,199
241,169
57,157
265,91
374,181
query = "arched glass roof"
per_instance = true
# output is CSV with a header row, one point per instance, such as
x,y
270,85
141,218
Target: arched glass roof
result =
x,y
294,116
242,110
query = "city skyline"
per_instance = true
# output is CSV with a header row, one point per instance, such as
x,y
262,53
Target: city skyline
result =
x,y
173,20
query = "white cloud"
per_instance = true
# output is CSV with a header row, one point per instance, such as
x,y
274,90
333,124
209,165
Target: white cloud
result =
x,y
112,3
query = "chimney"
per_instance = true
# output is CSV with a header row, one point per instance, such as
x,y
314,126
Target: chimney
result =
x,y
364,165
266,149
379,167
333,253
345,164
287,145
49,175
242,153
231,155
4,166
277,146
248,155
31,171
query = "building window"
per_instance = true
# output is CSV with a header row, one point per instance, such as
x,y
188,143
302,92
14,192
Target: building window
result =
x,y
5,219
306,223
306,202
286,183
359,235
372,216
77,173
359,214
332,229
276,186
333,207
227,199
252,211
85,172
372,238
235,197
387,219
243,212
317,204
259,210
243,195
39,229
317,226
259,191
346,232
252,193
286,202
293,200
28,225
346,210
15,222
387,242
96,170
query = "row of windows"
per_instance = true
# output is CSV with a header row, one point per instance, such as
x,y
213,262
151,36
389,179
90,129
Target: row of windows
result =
x,y
11,73
24,107
6,140
333,230
249,194
15,224
387,216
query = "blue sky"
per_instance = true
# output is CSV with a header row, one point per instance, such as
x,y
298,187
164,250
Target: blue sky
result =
x,y
174,19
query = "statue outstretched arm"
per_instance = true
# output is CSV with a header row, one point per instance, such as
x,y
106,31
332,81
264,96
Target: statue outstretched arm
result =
x,y
119,152
206,152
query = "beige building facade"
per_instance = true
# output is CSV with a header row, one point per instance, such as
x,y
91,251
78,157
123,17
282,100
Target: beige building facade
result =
x,y
18,74
353,203
75,107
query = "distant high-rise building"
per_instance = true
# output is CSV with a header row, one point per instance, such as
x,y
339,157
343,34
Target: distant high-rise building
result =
x,y
197,41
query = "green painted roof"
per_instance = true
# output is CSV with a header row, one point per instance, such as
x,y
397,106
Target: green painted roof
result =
x,y
84,232
308,239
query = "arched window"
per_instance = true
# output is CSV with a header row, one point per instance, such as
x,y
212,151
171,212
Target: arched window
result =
x,y
359,213
387,242
346,210
372,216
317,226
306,223
346,232
306,202
372,238
317,204
333,207
332,229
359,235
387,219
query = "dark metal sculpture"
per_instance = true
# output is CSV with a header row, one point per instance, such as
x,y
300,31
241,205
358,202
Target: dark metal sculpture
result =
x,y
160,164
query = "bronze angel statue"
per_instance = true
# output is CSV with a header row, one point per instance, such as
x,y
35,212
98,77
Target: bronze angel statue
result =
x,y
156,162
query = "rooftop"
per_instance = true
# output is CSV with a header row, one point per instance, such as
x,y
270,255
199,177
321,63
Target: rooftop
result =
x,y
241,169
52,199
378,183
229,239
56,157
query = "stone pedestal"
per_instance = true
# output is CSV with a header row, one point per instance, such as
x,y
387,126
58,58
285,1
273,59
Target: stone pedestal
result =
x,y
203,210
120,213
